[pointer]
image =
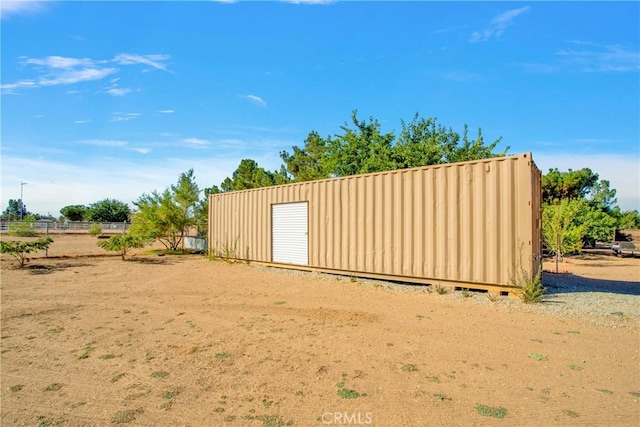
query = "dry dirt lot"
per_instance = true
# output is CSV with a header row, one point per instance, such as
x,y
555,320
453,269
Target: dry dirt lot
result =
x,y
181,340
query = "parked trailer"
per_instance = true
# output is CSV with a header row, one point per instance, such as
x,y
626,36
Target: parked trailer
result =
x,y
468,225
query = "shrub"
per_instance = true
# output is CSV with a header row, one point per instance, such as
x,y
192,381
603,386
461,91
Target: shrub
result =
x,y
96,229
122,244
24,228
529,289
20,250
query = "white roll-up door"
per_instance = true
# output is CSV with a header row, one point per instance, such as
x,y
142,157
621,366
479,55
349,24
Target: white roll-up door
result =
x,y
289,233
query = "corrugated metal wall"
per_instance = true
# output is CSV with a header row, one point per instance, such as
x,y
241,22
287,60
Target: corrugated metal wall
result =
x,y
469,222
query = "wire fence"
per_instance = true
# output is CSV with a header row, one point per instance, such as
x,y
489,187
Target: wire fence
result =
x,y
62,227
78,227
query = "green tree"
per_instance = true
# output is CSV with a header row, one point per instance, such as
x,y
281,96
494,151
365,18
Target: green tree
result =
x,y
12,212
424,142
562,232
108,210
20,249
627,219
248,175
572,184
166,216
363,147
123,244
308,163
74,212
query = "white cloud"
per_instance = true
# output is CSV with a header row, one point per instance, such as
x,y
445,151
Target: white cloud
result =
x,y
79,122
20,7
123,117
118,91
497,25
154,61
60,70
622,171
256,100
105,142
600,58
195,142
140,150
166,111
53,185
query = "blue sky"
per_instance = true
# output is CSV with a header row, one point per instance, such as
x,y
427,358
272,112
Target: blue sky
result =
x,y
116,99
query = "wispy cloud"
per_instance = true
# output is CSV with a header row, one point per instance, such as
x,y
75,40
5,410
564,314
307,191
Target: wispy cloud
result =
x,y
118,91
589,58
140,150
20,7
498,25
105,142
60,70
123,117
154,61
600,58
448,30
256,100
166,111
195,142
79,122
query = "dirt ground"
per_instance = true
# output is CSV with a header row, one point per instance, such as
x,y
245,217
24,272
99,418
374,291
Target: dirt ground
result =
x,y
181,340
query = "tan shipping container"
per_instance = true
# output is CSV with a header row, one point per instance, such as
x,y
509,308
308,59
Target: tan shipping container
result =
x,y
469,225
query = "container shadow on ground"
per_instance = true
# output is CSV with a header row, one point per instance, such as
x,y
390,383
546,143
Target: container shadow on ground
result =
x,y
562,283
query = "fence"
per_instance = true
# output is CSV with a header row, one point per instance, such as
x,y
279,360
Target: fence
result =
x,y
62,227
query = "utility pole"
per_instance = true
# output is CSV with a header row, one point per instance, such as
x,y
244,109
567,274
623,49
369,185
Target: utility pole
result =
x,y
22,184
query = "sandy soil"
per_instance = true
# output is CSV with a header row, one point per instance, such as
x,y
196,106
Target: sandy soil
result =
x,y
181,340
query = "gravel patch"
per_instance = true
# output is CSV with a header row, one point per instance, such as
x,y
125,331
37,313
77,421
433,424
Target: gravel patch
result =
x,y
610,304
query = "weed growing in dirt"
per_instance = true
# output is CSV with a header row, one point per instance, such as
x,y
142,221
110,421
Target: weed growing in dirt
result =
x,y
539,357
605,391
15,388
159,374
280,302
571,414
269,420
46,422
574,332
87,349
346,393
171,394
575,367
108,356
122,417
529,289
408,367
441,397
118,377
635,393
53,387
491,411
222,355
441,290
466,293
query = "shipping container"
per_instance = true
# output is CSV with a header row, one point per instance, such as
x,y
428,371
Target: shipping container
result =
x,y
473,224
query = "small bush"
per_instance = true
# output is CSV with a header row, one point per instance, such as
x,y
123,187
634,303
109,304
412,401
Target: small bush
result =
x,y
95,230
122,244
490,411
24,228
529,289
20,250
